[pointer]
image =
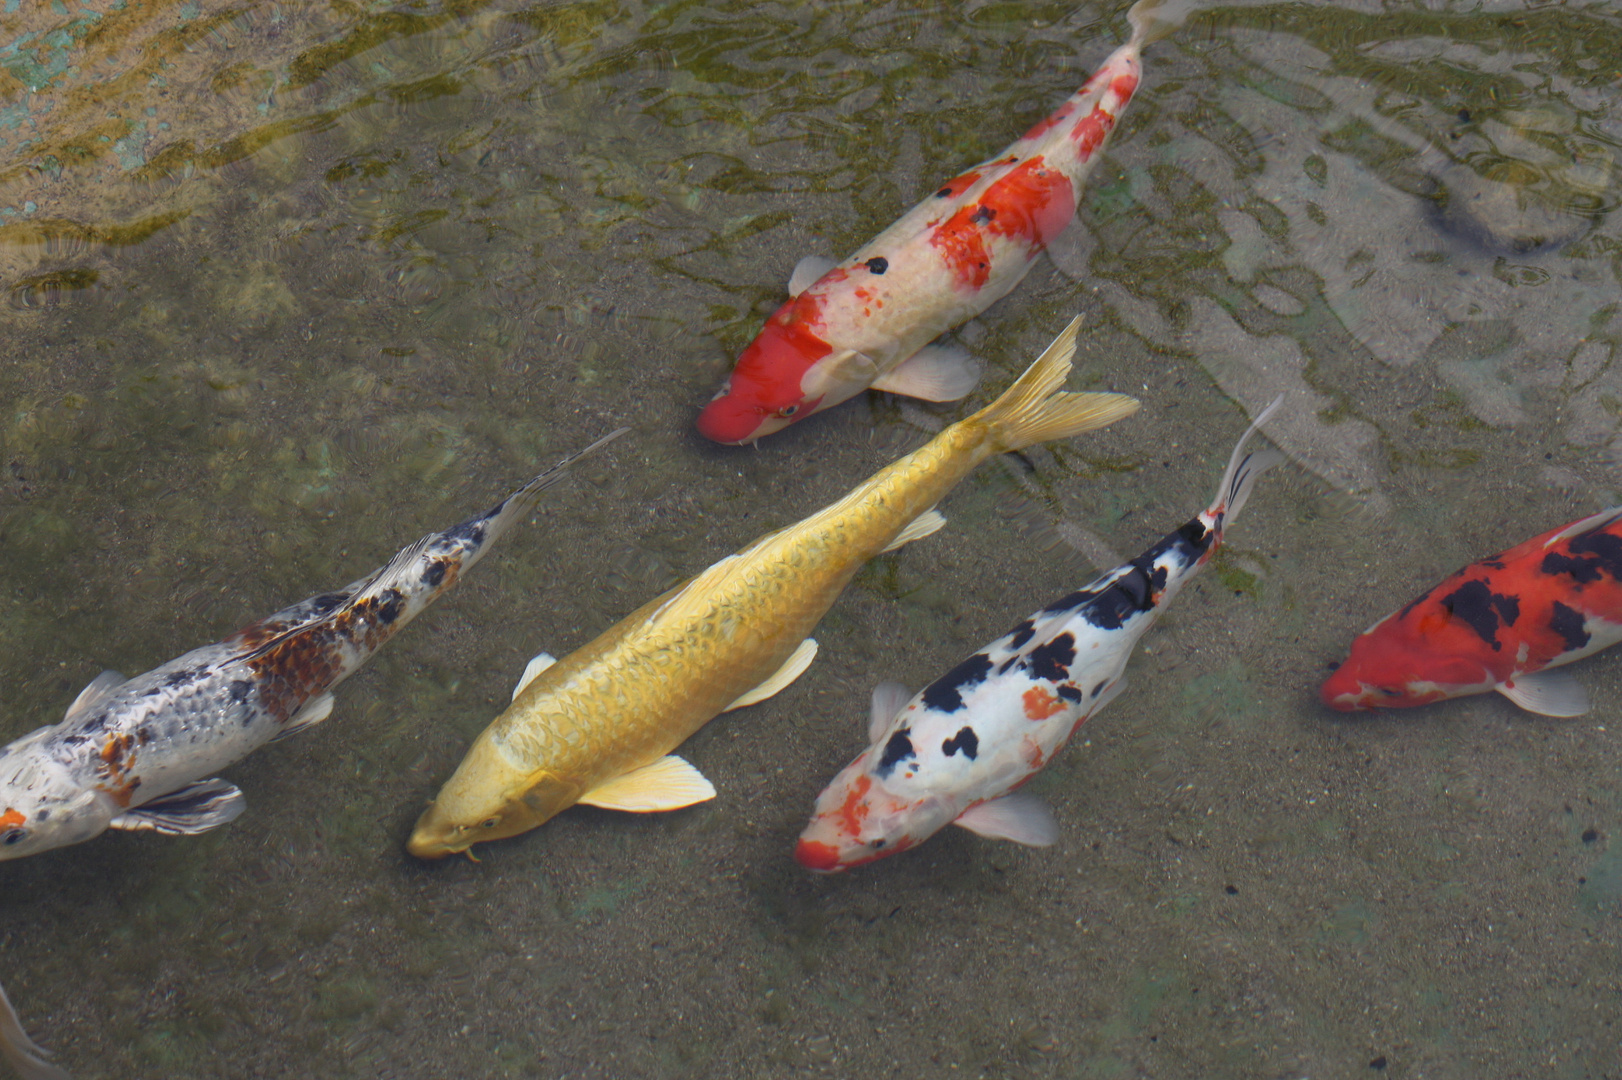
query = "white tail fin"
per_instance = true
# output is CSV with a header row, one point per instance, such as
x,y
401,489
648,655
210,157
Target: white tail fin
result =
x,y
1243,469
1156,20
1034,410
516,505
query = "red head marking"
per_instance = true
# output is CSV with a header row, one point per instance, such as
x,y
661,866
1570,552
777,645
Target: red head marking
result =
x,y
763,395
815,855
12,818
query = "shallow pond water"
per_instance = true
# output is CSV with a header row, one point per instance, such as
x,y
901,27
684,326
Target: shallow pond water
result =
x,y
286,286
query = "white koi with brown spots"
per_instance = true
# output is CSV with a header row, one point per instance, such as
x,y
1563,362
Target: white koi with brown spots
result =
x,y
955,752
867,321
140,753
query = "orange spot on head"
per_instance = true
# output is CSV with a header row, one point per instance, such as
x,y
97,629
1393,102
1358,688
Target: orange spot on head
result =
x,y
1039,704
815,855
12,818
855,810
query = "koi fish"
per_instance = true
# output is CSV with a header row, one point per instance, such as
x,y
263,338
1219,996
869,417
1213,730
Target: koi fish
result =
x,y
867,321
598,727
133,754
954,753
1499,624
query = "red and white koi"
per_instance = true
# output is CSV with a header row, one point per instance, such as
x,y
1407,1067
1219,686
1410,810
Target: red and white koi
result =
x,y
867,321
954,753
1502,624
139,753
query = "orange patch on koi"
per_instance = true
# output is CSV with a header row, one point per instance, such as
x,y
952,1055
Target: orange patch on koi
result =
x,y
12,818
1039,704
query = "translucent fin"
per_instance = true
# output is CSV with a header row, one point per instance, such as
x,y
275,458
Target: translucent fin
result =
x,y
537,664
195,808
792,669
933,373
1022,818
889,698
517,505
1547,693
1155,20
314,711
668,784
1034,410
925,524
806,273
95,693
1576,528
1111,692
1243,469
25,1057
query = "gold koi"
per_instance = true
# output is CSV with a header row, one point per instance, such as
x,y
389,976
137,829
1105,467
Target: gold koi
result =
x,y
598,727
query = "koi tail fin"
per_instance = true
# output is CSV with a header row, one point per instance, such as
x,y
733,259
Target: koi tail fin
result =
x,y
1156,20
1243,469
19,1051
501,516
1035,410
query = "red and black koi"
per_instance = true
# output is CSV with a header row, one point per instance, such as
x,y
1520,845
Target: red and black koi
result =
x,y
1499,624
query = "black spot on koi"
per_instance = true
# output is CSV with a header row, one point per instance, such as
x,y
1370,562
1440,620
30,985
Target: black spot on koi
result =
x,y
1568,623
1481,608
965,740
878,264
897,749
945,694
1052,660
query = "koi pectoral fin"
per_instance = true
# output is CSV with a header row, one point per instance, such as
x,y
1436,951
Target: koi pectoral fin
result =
x,y
806,273
19,1051
792,669
1547,693
933,373
195,808
889,698
315,710
667,784
1022,818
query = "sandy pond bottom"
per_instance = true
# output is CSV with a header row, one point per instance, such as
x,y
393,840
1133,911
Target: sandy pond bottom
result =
x,y
334,281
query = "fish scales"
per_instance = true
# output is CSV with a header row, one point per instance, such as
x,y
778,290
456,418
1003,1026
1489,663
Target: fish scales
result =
x,y
788,580
598,726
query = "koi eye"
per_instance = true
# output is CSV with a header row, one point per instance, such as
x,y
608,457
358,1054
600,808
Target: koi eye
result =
x,y
489,823
14,836
876,843
788,411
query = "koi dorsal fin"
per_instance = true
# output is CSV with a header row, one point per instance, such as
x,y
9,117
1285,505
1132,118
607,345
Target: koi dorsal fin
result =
x,y
1586,525
95,693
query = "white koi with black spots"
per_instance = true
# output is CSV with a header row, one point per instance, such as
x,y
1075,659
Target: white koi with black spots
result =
x,y
955,752
139,753
867,321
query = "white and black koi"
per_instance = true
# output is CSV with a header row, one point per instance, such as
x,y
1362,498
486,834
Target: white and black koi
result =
x,y
142,753
955,752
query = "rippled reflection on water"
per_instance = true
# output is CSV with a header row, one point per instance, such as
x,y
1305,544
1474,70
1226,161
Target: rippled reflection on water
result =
x,y
287,287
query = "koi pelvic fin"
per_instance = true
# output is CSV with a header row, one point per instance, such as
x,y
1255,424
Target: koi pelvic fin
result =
x,y
1547,693
195,808
667,784
934,373
1022,818
792,669
925,524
